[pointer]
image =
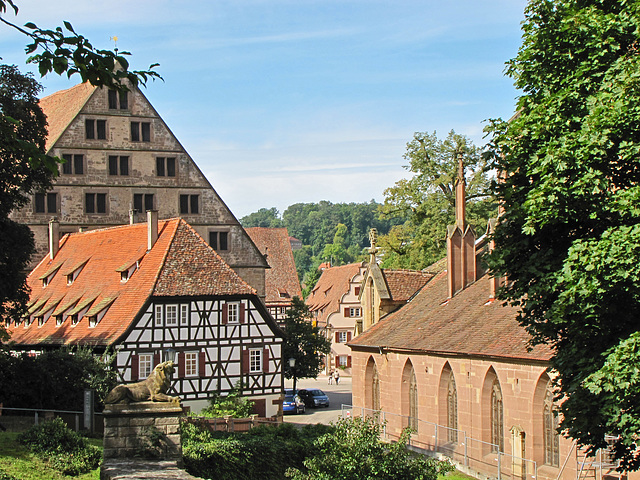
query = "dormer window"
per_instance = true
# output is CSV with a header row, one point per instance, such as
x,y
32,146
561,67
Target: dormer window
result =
x,y
45,282
40,321
59,320
74,319
73,273
127,272
69,279
124,276
93,321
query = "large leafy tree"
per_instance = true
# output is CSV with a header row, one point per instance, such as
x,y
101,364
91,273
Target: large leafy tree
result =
x,y
569,239
303,342
427,199
24,166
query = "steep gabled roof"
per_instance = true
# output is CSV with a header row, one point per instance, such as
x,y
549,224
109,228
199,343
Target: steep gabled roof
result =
x,y
403,284
332,285
62,107
466,324
281,280
179,264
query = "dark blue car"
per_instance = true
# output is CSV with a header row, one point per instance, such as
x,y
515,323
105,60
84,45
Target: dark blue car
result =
x,y
314,397
292,404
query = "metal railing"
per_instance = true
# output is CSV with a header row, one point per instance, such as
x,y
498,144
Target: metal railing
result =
x,y
468,453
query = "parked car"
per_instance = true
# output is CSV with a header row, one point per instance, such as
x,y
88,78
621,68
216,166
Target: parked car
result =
x,y
314,397
293,404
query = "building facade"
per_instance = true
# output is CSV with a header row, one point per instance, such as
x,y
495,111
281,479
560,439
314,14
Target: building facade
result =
x,y
120,160
150,292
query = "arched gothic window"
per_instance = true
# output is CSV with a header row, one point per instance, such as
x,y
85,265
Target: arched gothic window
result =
x,y
375,389
497,415
413,401
550,429
452,410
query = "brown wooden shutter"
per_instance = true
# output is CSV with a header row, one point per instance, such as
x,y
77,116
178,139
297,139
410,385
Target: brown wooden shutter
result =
x,y
265,361
241,312
337,362
346,312
134,368
245,362
202,362
357,291
225,313
348,361
181,368
348,337
337,336
156,359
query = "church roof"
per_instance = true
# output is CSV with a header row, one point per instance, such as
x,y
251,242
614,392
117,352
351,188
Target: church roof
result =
x,y
281,280
62,107
403,284
109,273
332,285
466,324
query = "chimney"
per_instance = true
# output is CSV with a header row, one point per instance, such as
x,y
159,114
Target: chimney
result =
x,y
152,228
461,251
54,237
132,215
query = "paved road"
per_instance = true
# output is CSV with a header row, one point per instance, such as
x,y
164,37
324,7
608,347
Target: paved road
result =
x,y
338,395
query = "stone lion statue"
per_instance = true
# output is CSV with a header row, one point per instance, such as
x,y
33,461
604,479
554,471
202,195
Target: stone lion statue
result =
x,y
153,388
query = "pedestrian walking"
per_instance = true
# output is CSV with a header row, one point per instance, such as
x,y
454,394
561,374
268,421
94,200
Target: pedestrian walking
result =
x,y
330,377
336,377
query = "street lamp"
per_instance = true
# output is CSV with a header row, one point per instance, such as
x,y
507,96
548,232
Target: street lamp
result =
x,y
170,355
292,364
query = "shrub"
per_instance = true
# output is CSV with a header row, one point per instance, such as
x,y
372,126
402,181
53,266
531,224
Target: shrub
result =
x,y
61,447
233,405
354,451
264,452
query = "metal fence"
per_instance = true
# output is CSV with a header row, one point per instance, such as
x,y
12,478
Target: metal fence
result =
x,y
19,419
469,454
229,424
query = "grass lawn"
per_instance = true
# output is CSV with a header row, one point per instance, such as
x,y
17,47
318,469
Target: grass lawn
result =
x,y
16,460
455,475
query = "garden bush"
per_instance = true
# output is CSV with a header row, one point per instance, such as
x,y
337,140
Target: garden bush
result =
x,y
264,452
61,447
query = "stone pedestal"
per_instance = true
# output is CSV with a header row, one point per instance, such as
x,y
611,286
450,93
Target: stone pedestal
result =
x,y
143,430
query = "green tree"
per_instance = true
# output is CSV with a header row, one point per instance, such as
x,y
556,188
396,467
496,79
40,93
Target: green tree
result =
x,y
336,253
569,241
303,342
427,200
354,451
265,217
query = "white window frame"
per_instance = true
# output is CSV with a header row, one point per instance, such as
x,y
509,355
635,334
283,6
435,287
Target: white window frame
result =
x,y
184,314
343,360
171,315
191,364
233,312
355,312
255,360
159,319
145,365
342,337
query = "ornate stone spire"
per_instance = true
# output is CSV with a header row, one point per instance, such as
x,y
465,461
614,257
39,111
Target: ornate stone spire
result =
x,y
373,237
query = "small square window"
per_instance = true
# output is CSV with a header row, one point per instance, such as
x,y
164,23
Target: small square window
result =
x,y
120,99
46,202
140,131
143,202
189,204
165,166
95,129
233,312
342,337
219,240
95,203
73,164
342,360
355,312
119,165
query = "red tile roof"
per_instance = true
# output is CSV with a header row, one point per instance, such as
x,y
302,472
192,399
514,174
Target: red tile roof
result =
x,y
333,284
281,280
466,324
180,263
403,284
62,107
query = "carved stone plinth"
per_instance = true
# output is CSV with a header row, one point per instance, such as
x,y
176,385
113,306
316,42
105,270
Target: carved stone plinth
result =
x,y
143,430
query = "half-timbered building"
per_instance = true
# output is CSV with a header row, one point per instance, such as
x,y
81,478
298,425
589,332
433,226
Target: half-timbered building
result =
x,y
150,292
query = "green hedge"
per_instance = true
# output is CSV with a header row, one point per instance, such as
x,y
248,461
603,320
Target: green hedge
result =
x,y
264,452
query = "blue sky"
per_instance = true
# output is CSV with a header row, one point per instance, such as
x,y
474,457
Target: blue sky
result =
x,y
283,101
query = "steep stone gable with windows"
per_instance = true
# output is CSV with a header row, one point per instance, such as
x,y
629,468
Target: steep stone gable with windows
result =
x,y
121,156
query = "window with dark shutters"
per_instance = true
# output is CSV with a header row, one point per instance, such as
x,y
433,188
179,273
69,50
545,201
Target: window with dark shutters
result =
x,y
337,337
225,313
348,337
346,312
348,361
134,368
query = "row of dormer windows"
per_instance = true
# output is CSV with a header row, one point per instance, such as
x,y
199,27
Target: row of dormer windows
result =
x,y
117,165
